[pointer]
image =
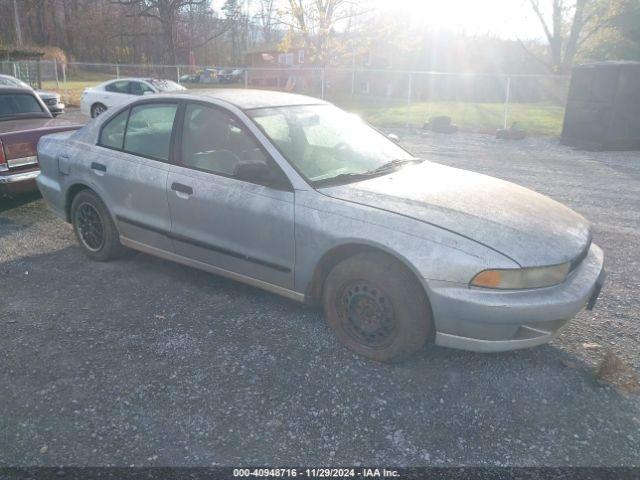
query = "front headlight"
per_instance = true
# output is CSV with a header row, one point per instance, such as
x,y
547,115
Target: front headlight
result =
x,y
535,277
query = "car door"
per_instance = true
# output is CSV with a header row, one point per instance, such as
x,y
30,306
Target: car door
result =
x,y
115,93
218,216
131,171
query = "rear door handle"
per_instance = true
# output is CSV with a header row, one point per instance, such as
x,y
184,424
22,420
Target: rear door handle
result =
x,y
180,188
98,166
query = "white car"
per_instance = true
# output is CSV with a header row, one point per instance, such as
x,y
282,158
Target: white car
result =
x,y
96,100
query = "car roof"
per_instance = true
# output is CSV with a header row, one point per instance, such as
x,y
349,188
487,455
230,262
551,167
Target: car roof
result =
x,y
247,99
7,89
2,75
139,79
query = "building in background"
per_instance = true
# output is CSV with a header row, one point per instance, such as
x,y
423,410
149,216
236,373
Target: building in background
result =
x,y
270,67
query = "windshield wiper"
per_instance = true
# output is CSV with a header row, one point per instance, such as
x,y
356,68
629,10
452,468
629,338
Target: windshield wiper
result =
x,y
376,172
393,164
345,178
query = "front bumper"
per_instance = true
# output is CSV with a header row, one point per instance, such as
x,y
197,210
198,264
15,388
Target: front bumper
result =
x,y
13,183
484,320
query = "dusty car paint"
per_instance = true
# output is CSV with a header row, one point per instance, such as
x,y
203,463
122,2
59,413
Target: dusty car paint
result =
x,y
445,225
527,227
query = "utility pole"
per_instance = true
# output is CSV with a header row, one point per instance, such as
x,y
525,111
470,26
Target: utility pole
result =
x,y
17,19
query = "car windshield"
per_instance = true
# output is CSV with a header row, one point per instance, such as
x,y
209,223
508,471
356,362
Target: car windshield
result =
x,y
166,85
19,104
328,145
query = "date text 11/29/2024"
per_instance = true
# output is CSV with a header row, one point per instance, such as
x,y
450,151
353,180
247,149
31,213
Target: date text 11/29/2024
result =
x,y
315,472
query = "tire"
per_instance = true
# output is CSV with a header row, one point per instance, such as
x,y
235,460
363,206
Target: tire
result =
x,y
97,109
95,231
376,307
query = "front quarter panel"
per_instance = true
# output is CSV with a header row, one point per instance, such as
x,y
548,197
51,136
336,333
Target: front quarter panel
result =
x,y
433,254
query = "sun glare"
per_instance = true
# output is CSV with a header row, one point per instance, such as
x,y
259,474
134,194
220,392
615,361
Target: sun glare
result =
x,y
504,18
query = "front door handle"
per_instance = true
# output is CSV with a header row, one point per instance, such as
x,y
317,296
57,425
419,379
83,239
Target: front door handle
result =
x,y
180,188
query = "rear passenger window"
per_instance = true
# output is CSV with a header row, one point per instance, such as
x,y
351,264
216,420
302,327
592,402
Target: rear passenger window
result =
x,y
149,130
112,134
121,86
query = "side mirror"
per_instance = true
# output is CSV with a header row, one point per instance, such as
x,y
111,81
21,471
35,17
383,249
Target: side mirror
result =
x,y
394,138
254,172
260,172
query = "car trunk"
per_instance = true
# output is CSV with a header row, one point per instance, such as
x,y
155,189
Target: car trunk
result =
x,y
19,140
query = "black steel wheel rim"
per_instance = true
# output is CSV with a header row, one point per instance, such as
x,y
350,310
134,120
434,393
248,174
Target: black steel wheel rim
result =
x,y
90,227
97,110
366,314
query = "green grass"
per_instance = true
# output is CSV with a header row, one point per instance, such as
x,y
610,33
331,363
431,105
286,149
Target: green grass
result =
x,y
534,118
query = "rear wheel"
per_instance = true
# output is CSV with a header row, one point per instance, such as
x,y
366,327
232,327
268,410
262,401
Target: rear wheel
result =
x,y
376,307
94,229
97,109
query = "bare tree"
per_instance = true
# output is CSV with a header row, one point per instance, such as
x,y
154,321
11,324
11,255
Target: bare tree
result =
x,y
238,24
266,17
567,25
17,20
167,12
317,22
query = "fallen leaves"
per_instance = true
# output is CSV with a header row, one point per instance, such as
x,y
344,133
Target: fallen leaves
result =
x,y
614,371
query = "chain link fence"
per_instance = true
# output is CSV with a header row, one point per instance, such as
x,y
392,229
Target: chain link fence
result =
x,y
478,102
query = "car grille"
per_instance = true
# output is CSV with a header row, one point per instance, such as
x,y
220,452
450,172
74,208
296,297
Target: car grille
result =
x,y
51,101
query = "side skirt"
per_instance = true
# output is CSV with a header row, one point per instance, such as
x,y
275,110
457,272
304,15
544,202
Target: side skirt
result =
x,y
157,252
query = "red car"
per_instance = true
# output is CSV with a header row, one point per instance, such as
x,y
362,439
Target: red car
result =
x,y
24,118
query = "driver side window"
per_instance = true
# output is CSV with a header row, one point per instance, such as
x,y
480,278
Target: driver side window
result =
x,y
139,88
213,141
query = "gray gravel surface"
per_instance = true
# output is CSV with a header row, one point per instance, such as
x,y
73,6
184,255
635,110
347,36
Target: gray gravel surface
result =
x,y
140,361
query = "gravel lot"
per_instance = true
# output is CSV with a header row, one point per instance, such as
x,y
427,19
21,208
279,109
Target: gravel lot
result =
x,y
144,362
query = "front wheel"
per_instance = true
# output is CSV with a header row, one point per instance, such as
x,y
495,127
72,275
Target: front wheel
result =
x,y
94,229
376,307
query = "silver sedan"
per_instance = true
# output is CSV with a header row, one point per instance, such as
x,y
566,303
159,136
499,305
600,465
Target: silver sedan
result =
x,y
293,195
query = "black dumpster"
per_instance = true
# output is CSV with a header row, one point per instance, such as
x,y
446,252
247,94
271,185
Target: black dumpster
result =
x,y
603,107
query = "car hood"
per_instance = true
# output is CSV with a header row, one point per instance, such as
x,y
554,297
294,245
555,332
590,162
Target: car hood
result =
x,y
47,95
529,228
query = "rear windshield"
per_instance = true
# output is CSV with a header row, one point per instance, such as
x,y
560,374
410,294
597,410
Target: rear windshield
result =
x,y
12,104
